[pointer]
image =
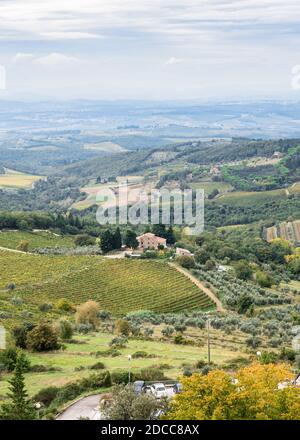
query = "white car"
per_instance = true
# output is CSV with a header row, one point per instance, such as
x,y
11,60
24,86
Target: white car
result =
x,y
159,390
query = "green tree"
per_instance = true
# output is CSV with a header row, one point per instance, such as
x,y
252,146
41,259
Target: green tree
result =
x,y
117,239
127,405
107,241
19,408
244,303
159,230
170,236
130,239
242,270
42,338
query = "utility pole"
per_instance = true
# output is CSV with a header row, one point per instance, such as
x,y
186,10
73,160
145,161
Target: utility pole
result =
x,y
208,340
129,371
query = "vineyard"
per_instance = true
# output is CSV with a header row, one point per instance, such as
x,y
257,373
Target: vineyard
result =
x,y
119,286
41,239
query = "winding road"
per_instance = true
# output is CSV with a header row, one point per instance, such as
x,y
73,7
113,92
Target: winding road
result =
x,y
87,407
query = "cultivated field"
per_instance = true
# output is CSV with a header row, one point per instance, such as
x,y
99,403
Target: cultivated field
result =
x,y
15,179
120,286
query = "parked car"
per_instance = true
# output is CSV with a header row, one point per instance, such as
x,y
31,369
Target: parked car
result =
x,y
177,388
139,386
159,390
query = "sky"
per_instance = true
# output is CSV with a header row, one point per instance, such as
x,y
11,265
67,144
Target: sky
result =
x,y
150,49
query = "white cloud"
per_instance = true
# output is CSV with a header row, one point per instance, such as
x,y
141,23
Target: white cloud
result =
x,y
55,59
22,57
69,35
173,60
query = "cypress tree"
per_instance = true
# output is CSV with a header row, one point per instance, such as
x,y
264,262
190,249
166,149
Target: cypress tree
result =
x,y
19,408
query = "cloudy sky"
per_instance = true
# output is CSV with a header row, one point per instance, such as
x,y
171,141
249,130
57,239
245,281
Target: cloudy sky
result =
x,y
150,49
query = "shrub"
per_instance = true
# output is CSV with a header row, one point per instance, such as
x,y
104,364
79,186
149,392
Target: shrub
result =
x,y
23,246
179,339
16,301
84,328
45,307
9,358
150,374
97,366
120,376
84,240
88,313
168,331
20,334
141,354
113,352
65,330
122,327
42,338
253,342
64,305
186,262
287,354
46,395
104,315
118,342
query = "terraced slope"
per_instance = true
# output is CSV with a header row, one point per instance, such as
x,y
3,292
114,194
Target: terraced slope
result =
x,y
119,286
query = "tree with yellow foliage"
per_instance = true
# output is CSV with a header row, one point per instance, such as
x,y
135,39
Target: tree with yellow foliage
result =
x,y
252,394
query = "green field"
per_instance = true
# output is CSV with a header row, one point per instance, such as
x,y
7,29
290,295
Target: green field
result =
x,y
83,355
119,286
11,239
248,198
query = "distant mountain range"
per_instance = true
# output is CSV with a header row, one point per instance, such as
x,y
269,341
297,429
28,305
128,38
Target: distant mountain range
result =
x,y
163,122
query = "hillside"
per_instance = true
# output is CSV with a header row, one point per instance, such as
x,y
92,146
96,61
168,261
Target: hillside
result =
x,y
120,286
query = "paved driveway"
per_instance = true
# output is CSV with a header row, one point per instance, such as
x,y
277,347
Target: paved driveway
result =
x,y
88,407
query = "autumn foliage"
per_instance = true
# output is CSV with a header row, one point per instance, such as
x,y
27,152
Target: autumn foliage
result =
x,y
251,394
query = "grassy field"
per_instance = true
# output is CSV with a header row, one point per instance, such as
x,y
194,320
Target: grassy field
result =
x,y
242,198
83,355
208,187
15,179
11,239
119,286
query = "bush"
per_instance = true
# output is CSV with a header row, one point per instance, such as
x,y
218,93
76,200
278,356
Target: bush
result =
x,y
84,240
23,246
168,331
65,330
141,354
122,327
113,352
46,395
9,357
186,262
84,328
20,334
64,305
97,366
150,374
88,313
179,339
120,377
45,307
42,338
118,342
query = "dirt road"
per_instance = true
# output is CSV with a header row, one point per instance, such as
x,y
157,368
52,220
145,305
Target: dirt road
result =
x,y
200,285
